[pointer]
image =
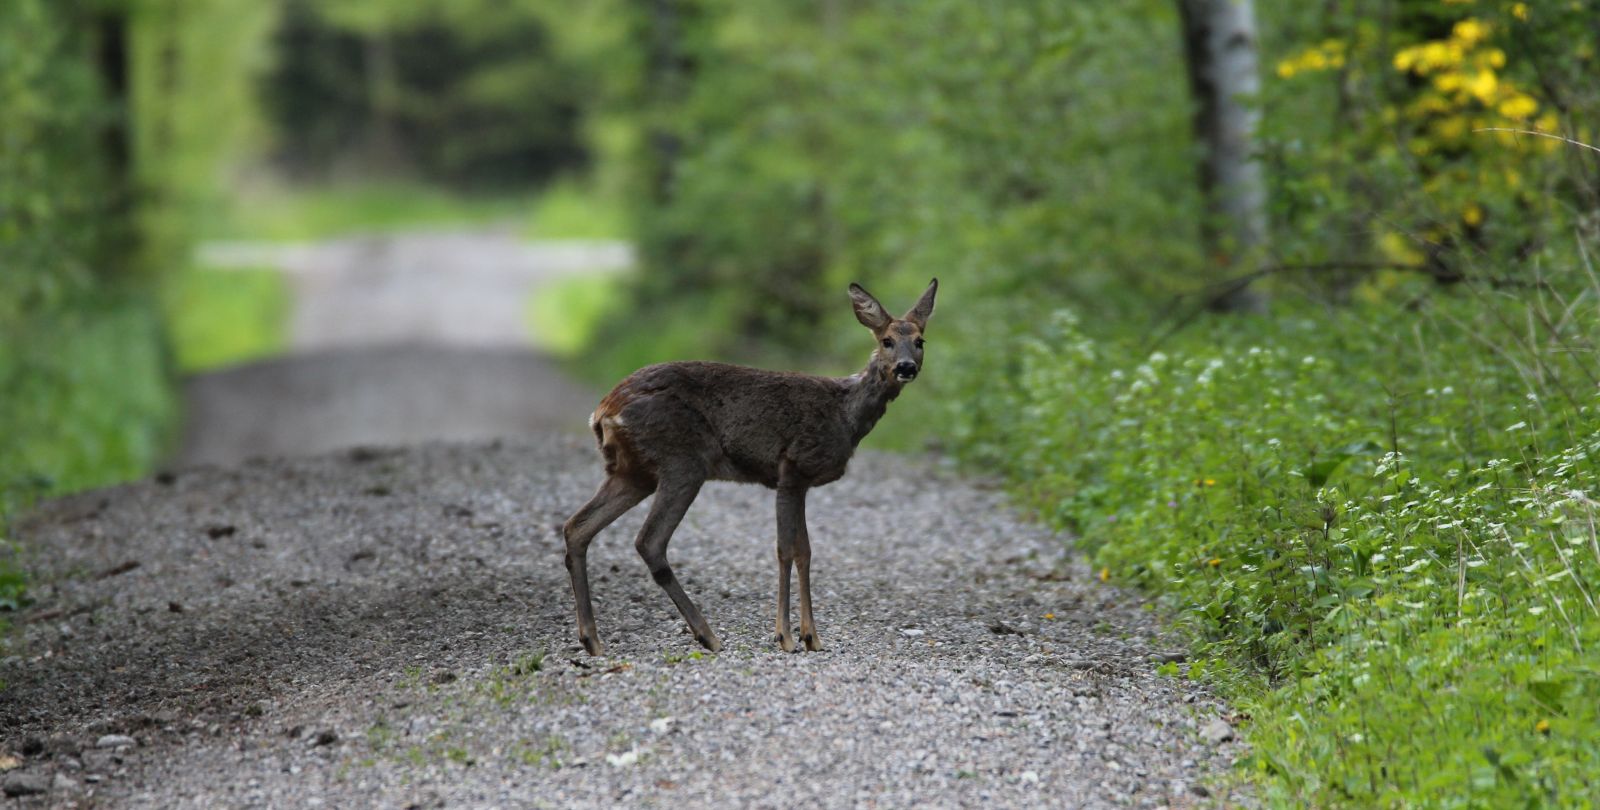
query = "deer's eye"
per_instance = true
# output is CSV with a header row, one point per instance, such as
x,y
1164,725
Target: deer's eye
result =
x,y
919,343
888,343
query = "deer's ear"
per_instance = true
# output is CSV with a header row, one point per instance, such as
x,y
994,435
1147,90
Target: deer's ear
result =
x,y
868,311
920,313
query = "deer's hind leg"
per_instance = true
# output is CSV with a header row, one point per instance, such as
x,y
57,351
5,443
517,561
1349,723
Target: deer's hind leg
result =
x,y
676,490
791,523
616,496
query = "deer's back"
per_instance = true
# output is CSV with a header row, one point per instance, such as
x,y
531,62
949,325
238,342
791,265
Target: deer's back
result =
x,y
735,423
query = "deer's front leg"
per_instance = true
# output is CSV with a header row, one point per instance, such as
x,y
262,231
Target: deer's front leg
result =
x,y
791,520
802,562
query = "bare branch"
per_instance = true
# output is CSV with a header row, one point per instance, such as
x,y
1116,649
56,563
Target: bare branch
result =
x,y
1551,136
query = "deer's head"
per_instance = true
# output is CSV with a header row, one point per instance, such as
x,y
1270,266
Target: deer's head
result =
x,y
899,352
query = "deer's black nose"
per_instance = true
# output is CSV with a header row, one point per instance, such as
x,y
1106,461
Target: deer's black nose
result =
x,y
905,369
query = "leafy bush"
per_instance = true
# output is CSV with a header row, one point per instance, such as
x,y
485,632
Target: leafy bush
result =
x,y
465,93
1390,514
220,317
563,315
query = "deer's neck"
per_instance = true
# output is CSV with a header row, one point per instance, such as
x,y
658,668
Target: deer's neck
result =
x,y
867,396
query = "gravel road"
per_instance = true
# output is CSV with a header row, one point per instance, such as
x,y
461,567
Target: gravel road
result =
x,y
383,395
394,339
393,628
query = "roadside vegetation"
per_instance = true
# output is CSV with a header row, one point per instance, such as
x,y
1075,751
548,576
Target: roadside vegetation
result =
x,y
1371,499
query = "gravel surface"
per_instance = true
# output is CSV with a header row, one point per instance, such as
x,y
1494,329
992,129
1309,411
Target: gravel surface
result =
x,y
393,628
388,395
395,339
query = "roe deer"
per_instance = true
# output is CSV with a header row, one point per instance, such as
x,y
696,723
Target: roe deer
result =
x,y
669,428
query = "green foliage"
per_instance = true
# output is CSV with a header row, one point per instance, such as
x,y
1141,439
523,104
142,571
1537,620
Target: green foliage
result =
x,y
868,145
568,209
193,69
52,174
1388,514
310,213
1376,133
464,93
86,398
564,315
220,317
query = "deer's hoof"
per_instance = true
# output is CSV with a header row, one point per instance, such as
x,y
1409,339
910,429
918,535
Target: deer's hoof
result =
x,y
709,641
592,645
811,641
785,642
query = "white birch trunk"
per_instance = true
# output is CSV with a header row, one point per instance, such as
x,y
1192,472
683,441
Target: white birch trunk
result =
x,y
1220,43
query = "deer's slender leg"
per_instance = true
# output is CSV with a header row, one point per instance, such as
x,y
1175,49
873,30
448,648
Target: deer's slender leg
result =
x,y
802,562
673,496
791,516
615,496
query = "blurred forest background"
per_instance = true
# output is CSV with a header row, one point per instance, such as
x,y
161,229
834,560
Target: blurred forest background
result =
x,y
1313,361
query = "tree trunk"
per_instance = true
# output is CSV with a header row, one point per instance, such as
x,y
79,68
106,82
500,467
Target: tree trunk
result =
x,y
667,77
385,152
116,137
1220,44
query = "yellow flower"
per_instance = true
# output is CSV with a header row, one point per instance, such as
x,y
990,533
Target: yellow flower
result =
x,y
1543,726
1285,69
1049,617
1470,31
1105,574
1444,54
1520,11
1473,215
1210,482
1519,106
1214,562
1484,85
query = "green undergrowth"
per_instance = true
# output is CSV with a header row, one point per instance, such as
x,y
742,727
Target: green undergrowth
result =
x,y
564,315
87,403
220,317
303,214
566,209
1380,522
569,209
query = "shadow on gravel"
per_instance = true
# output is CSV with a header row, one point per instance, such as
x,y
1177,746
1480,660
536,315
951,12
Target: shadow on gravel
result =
x,y
232,663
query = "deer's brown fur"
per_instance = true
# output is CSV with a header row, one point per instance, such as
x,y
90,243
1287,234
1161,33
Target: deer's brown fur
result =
x,y
668,428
